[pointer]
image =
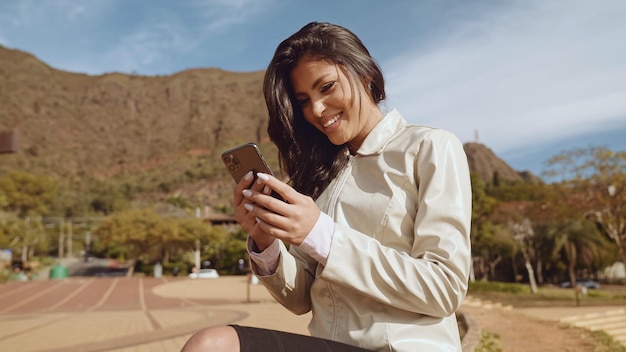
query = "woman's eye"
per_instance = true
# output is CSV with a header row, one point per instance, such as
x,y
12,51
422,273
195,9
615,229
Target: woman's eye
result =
x,y
302,102
327,86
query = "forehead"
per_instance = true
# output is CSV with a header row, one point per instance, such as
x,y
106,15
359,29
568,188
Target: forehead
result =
x,y
309,69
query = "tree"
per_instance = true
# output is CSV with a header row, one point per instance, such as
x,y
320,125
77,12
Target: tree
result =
x,y
22,235
598,177
139,230
524,235
231,249
481,234
26,194
580,243
145,234
494,246
194,235
106,197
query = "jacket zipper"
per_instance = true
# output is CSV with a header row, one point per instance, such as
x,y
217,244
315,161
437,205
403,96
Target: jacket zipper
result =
x,y
332,200
331,206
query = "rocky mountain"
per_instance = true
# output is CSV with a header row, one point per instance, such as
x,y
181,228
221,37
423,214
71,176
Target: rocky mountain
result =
x,y
484,163
75,123
168,129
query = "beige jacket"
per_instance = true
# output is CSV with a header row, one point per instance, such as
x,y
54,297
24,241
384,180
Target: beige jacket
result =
x,y
400,254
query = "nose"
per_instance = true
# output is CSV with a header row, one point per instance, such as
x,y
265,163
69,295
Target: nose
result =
x,y
318,108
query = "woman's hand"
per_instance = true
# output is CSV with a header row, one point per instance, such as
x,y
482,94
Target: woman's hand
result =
x,y
244,217
291,220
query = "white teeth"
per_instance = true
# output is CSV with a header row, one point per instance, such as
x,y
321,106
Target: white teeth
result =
x,y
331,121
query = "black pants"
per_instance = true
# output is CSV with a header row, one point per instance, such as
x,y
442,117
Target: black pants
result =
x,y
263,340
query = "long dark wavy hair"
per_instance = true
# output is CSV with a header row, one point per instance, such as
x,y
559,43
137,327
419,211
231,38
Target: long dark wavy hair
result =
x,y
307,156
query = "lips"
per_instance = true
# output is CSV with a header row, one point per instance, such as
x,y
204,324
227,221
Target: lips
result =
x,y
335,118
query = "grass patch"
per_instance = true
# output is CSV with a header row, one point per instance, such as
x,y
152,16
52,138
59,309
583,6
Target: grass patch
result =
x,y
488,343
606,343
520,295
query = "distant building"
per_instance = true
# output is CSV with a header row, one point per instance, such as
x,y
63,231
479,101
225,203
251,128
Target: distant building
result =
x,y
210,216
6,255
219,219
8,141
615,272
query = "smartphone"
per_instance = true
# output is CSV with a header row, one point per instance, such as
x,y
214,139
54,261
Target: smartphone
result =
x,y
244,158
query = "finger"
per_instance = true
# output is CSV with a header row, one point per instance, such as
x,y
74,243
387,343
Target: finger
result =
x,y
243,216
262,214
249,222
290,222
265,201
268,222
278,232
244,183
277,225
284,190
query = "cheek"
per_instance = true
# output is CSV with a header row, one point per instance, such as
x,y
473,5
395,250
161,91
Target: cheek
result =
x,y
343,95
312,121
308,116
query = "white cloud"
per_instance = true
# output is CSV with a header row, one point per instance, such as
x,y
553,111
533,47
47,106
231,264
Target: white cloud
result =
x,y
536,72
155,42
33,13
222,14
75,12
151,44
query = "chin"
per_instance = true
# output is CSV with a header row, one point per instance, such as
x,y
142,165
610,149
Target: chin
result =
x,y
337,142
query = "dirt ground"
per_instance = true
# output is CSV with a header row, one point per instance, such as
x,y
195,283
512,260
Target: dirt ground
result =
x,y
519,332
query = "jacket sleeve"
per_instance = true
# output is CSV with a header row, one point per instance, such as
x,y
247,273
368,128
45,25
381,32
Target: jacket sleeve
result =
x,y
291,284
432,278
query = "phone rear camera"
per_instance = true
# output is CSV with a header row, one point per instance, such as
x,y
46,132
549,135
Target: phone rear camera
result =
x,y
231,162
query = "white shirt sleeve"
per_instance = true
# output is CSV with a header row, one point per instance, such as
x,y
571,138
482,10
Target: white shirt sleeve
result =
x,y
267,260
317,243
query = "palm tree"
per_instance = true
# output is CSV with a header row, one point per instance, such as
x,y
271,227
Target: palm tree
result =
x,y
580,243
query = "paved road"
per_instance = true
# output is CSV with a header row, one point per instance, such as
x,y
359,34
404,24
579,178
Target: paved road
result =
x,y
95,267
89,295
82,314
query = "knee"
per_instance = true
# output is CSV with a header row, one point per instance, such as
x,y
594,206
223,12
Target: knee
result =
x,y
214,339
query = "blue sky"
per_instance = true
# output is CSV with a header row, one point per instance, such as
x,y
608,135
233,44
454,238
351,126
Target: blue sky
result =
x,y
527,78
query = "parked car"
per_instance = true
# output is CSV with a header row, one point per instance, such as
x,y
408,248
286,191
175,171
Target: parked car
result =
x,y
586,283
205,274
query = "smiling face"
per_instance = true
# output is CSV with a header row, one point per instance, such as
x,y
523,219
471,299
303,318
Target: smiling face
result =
x,y
344,112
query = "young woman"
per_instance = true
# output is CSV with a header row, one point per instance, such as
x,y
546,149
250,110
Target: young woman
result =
x,y
376,214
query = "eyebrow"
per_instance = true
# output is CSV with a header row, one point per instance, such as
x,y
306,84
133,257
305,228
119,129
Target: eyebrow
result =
x,y
318,81
315,83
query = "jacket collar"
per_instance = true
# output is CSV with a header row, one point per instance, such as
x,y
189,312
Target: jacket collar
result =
x,y
377,139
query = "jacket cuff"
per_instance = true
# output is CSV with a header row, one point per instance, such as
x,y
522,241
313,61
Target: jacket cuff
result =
x,y
267,260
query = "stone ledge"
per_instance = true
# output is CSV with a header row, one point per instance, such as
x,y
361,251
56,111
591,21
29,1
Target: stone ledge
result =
x,y
471,337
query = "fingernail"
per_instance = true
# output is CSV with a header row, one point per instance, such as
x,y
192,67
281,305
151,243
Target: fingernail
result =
x,y
257,220
248,206
266,190
263,176
248,176
247,193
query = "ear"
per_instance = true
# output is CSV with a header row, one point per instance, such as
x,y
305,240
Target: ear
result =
x,y
367,83
368,87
